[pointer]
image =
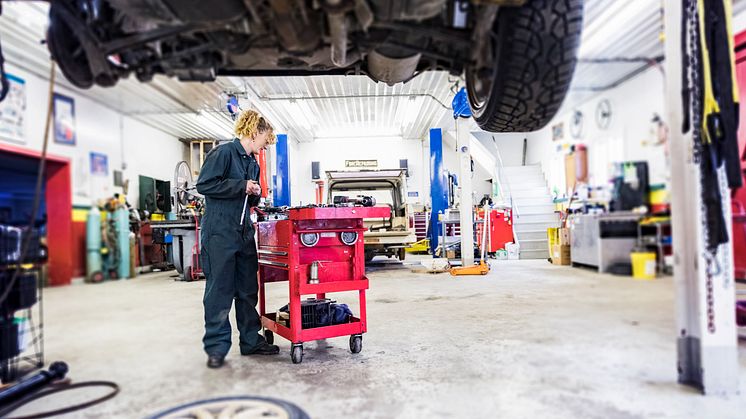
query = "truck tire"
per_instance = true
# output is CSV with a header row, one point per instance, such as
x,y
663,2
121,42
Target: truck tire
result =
x,y
533,54
402,254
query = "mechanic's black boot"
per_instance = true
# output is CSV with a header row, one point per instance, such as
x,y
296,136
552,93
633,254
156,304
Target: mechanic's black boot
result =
x,y
215,361
262,348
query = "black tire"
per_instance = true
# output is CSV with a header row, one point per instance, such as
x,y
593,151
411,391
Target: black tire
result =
x,y
67,50
369,255
224,403
296,354
269,336
534,51
356,344
188,274
402,254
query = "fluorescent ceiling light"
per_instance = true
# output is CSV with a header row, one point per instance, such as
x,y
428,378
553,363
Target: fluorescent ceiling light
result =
x,y
352,131
376,138
213,125
28,15
298,114
614,23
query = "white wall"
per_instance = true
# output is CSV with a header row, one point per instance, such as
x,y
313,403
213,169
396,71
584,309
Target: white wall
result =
x,y
629,137
149,152
332,154
510,145
145,150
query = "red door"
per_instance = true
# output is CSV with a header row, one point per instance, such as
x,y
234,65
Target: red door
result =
x,y
58,197
739,200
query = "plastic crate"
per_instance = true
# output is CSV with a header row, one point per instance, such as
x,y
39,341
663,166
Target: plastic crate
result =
x,y
10,244
8,339
23,295
11,241
315,313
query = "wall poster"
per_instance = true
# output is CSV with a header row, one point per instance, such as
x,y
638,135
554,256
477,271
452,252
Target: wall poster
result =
x,y
64,119
99,164
13,110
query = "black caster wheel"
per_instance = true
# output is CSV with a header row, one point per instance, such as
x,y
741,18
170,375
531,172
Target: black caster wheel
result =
x,y
188,277
356,344
296,353
269,336
97,277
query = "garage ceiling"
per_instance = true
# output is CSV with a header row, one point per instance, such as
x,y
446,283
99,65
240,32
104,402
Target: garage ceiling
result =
x,y
338,106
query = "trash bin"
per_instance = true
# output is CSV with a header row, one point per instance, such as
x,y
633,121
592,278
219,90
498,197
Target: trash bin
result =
x,y
643,265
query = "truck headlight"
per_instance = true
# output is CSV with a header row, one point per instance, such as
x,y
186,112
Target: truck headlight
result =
x,y
348,237
309,239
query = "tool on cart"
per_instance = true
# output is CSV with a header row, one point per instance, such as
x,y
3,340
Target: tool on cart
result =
x,y
317,250
362,200
482,268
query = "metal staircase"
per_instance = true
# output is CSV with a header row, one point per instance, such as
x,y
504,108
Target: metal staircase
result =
x,y
533,210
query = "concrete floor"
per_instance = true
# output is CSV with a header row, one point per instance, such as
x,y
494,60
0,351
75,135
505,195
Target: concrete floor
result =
x,y
528,340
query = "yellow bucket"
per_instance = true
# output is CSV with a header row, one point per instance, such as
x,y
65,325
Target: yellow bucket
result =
x,y
552,237
643,265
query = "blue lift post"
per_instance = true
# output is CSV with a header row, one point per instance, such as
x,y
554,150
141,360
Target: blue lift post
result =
x,y
438,189
282,178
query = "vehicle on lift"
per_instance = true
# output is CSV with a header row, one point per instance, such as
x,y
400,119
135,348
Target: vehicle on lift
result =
x,y
517,56
384,236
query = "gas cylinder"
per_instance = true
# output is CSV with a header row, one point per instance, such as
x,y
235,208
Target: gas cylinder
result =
x,y
133,254
123,240
94,268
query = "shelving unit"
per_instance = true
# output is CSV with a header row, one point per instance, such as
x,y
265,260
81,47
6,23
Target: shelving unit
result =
x,y
420,224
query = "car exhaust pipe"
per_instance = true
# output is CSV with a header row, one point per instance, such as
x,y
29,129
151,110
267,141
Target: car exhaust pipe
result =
x,y
338,32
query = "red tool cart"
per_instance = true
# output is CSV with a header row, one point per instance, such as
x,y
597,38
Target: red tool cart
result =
x,y
318,250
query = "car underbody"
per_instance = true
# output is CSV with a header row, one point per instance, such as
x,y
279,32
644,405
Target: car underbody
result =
x,y
98,42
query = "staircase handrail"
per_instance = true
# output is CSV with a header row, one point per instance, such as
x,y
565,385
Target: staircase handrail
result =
x,y
503,184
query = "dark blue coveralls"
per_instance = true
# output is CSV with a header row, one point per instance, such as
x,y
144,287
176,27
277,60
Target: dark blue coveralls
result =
x,y
229,257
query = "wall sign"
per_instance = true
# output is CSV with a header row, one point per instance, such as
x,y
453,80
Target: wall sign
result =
x,y
361,163
64,119
99,164
12,111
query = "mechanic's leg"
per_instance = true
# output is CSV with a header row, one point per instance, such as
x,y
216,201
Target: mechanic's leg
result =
x,y
219,265
247,289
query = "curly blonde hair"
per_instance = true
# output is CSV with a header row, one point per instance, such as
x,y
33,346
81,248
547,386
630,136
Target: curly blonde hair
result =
x,y
250,123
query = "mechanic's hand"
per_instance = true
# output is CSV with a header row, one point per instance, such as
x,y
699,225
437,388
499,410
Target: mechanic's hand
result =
x,y
253,188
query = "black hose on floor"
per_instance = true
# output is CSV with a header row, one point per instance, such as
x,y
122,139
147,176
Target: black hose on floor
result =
x,y
58,388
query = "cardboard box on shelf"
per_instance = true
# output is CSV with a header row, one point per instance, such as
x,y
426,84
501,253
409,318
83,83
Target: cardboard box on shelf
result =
x,y
451,254
561,254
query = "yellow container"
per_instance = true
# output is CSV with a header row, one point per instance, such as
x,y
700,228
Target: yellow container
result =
x,y
643,265
552,238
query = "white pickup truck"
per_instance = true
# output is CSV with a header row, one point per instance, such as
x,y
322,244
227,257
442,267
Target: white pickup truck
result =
x,y
385,236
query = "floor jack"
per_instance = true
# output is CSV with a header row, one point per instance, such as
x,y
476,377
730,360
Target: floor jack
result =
x,y
482,268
